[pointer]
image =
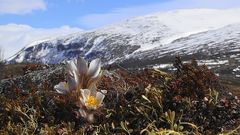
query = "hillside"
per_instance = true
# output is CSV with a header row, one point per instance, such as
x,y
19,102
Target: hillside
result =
x,y
125,39
146,41
191,100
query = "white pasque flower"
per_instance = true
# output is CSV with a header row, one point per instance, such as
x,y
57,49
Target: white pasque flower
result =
x,y
92,99
80,75
86,75
66,87
81,84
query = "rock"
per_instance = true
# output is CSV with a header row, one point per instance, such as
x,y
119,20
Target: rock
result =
x,y
36,80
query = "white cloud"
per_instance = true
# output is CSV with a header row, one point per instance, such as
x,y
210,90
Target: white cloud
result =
x,y
100,19
14,37
21,6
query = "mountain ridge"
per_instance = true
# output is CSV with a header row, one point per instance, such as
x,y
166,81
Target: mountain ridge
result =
x,y
148,40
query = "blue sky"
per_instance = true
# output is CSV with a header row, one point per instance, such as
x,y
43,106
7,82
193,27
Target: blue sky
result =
x,y
87,14
56,13
25,21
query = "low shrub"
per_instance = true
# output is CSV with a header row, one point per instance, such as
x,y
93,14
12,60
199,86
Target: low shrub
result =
x,y
190,101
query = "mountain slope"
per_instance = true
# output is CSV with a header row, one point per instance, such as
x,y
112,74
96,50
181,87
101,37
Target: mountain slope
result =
x,y
219,49
210,36
124,39
217,44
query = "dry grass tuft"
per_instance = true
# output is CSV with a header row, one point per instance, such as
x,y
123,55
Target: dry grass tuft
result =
x,y
138,102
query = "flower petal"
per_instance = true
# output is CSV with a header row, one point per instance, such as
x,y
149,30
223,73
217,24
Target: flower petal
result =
x,y
76,77
93,81
72,67
94,68
100,97
83,113
72,82
81,103
60,88
85,93
82,66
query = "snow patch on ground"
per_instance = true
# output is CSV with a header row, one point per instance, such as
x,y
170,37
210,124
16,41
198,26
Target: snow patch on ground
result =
x,y
236,69
212,62
163,66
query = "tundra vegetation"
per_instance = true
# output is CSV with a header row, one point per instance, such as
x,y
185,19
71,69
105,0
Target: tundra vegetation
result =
x,y
88,99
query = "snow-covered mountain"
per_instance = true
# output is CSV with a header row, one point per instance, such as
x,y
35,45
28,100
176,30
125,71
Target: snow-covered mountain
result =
x,y
210,35
219,49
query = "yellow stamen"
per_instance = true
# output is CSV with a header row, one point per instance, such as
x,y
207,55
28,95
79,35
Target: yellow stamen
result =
x,y
66,85
91,101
